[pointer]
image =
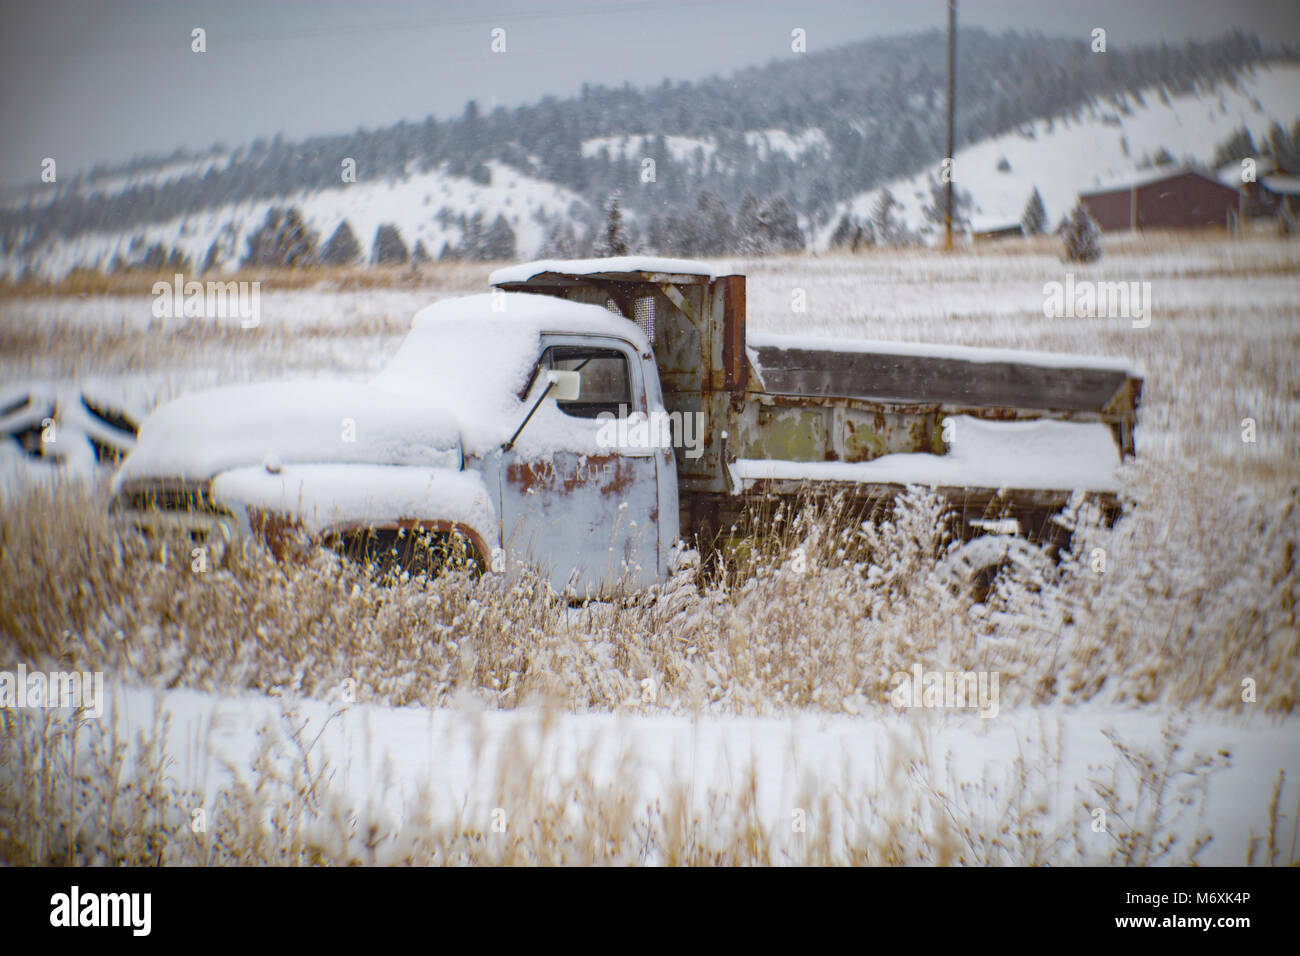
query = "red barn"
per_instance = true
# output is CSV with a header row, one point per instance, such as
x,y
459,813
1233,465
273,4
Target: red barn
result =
x,y
1172,198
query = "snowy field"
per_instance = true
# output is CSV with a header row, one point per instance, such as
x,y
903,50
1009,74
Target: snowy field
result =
x,y
745,720
915,787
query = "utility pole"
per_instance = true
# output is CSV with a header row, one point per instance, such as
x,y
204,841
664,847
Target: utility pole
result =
x,y
952,95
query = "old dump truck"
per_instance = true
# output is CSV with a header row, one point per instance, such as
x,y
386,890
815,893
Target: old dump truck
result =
x,y
585,416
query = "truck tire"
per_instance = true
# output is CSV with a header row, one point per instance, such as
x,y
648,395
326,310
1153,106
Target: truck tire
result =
x,y
385,551
970,568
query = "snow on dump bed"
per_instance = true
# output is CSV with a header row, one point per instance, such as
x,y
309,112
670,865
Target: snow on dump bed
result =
x,y
963,353
323,497
582,267
197,436
473,355
1038,455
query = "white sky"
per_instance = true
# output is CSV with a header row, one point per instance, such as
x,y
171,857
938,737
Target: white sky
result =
x,y
102,80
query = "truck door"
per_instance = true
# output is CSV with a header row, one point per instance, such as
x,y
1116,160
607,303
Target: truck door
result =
x,y
580,507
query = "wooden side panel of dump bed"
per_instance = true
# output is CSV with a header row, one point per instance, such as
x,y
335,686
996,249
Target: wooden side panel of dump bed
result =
x,y
935,380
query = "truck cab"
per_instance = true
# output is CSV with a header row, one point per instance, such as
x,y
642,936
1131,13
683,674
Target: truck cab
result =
x,y
461,435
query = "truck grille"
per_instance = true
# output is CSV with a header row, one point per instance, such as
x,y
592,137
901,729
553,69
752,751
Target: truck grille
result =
x,y
167,497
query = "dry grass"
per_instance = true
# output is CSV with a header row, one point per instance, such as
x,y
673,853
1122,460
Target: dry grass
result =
x,y
75,793
82,282
825,629
332,327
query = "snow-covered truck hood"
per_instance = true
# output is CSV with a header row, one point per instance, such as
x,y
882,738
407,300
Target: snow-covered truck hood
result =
x,y
325,498
318,422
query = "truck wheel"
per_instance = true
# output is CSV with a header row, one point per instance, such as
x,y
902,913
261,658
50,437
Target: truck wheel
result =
x,y
970,568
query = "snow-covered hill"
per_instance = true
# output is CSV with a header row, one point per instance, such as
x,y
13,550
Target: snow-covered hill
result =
x,y
1110,142
1103,142
423,206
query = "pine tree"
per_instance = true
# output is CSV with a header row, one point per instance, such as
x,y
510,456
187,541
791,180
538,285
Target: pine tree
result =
x,y
714,233
780,226
213,256
613,238
155,258
657,237
471,238
961,202
1240,145
1034,218
419,255
177,261
882,217
282,242
342,249
843,234
561,242
1082,237
388,248
863,235
498,241
750,240
298,242
852,233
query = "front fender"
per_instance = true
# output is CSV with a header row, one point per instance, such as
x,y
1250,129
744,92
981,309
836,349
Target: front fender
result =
x,y
328,499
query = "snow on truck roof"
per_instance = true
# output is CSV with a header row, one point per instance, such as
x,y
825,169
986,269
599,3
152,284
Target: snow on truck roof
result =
x,y
616,265
523,313
473,355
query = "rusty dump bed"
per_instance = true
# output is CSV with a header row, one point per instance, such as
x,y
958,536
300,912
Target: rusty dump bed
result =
x,y
789,400
951,380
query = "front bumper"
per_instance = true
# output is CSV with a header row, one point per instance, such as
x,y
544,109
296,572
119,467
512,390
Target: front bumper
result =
x,y
216,530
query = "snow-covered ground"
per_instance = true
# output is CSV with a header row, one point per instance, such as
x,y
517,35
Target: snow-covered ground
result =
x,y
399,765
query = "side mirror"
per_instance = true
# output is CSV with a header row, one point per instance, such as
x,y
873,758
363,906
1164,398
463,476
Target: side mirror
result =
x,y
560,385
565,386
